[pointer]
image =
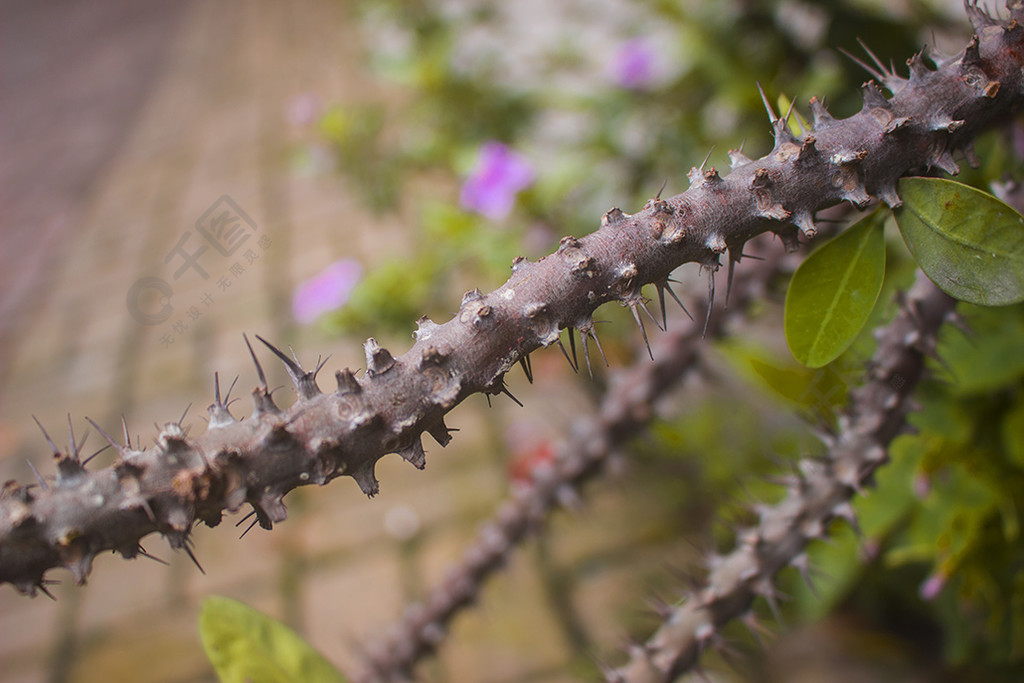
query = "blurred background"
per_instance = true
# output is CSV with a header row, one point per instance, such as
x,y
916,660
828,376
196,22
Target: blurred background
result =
x,y
177,173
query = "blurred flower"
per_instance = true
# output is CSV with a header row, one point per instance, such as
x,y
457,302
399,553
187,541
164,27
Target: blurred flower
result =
x,y
931,587
303,110
326,291
530,448
922,485
632,65
523,465
498,176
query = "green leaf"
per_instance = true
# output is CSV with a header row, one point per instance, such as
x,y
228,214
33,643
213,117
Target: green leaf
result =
x,y
833,292
968,242
244,644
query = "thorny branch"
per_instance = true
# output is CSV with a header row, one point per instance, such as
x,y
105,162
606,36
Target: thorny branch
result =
x,y
818,493
181,480
626,407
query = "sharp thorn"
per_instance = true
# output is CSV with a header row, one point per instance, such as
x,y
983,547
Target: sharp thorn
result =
x,y
105,435
242,520
39,477
46,591
248,528
661,303
124,428
874,58
677,299
73,445
182,418
728,284
89,459
586,352
153,557
711,300
643,304
320,365
504,390
53,446
661,189
488,397
767,105
227,396
597,342
572,347
259,368
867,67
643,331
789,112
704,163
192,557
293,368
524,362
566,354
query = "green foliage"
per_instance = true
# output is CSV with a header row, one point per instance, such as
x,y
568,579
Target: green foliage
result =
x,y
834,291
968,242
947,508
246,645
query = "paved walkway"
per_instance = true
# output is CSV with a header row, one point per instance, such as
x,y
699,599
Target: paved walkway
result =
x,y
122,125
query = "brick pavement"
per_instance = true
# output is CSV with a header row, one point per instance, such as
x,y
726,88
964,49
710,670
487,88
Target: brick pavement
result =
x,y
210,121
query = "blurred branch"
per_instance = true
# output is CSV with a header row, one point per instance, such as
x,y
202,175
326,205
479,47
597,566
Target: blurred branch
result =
x,y
818,493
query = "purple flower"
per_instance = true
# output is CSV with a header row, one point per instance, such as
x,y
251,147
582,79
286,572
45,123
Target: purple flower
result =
x,y
499,174
632,65
326,291
931,587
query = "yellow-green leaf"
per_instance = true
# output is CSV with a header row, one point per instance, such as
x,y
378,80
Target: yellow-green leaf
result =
x,y
244,644
968,242
797,124
833,292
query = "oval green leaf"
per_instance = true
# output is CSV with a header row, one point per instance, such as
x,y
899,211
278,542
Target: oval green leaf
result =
x,y
968,242
834,291
244,644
